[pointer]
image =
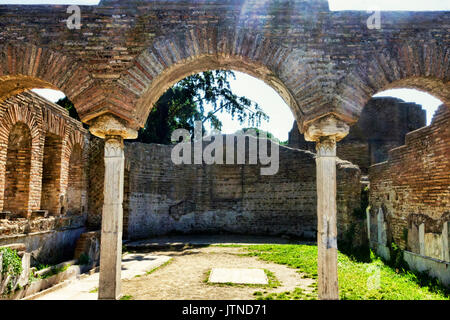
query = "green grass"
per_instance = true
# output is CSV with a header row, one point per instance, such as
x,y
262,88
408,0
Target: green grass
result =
x,y
55,270
357,280
297,294
161,266
154,269
126,297
227,245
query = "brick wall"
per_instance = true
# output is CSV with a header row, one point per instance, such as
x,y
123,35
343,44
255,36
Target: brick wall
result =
x,y
413,186
127,53
17,174
161,197
96,172
37,139
75,187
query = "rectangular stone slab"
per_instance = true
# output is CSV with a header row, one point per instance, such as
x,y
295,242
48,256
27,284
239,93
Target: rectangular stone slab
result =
x,y
238,276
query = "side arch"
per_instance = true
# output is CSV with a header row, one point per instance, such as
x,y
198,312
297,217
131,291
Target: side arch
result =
x,y
424,67
26,66
21,114
73,180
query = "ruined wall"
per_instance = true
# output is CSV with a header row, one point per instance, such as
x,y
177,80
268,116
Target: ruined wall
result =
x,y
163,197
39,205
54,135
383,124
410,192
49,240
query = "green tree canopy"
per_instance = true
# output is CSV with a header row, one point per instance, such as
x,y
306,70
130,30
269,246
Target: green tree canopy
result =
x,y
184,103
68,105
257,132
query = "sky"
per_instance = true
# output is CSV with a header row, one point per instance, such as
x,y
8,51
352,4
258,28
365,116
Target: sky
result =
x,y
393,5
415,5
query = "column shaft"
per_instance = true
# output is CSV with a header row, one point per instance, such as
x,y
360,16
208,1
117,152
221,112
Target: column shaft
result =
x,y
111,237
326,218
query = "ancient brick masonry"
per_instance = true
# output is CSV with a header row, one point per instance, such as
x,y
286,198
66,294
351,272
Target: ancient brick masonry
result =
x,y
127,53
326,65
43,189
383,125
413,188
161,197
37,140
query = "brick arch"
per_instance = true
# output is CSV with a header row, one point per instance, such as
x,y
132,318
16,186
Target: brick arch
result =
x,y
292,72
425,67
11,116
54,123
74,140
74,192
26,66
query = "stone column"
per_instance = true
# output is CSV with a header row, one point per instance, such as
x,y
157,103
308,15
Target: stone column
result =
x,y
326,132
113,131
111,237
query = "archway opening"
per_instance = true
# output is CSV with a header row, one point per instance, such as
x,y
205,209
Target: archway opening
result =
x,y
74,197
51,175
261,106
409,181
427,101
385,120
18,164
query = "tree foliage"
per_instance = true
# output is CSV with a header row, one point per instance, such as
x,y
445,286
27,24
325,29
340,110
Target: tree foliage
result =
x,y
188,101
68,105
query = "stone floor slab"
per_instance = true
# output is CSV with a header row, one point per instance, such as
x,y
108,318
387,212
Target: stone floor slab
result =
x,y
238,276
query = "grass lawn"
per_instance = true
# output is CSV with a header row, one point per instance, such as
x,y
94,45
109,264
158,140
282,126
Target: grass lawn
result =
x,y
357,280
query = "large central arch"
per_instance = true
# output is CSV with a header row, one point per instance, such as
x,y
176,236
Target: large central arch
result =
x,y
291,72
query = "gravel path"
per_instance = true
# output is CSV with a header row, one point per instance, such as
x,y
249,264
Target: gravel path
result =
x,y
183,278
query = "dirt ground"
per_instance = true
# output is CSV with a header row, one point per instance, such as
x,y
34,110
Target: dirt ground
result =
x,y
183,278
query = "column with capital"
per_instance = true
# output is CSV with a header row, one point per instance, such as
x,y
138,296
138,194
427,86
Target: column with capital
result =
x,y
114,131
326,131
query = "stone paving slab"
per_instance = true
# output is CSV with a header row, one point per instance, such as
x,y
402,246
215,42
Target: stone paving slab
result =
x,y
133,264
238,276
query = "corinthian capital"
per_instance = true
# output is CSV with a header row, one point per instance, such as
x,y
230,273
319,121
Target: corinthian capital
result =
x,y
110,125
325,128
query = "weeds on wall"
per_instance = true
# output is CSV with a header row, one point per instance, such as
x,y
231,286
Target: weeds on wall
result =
x,y
11,270
84,259
424,279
